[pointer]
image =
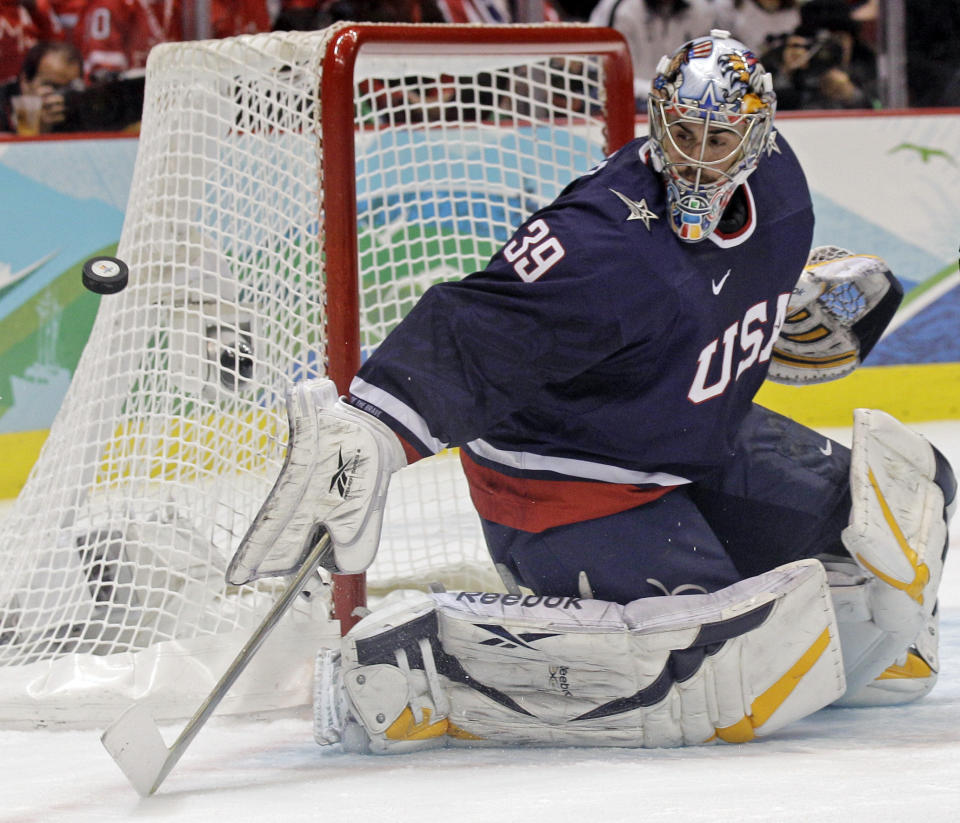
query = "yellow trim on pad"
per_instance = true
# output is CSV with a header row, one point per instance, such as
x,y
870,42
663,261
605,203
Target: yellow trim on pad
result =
x,y
921,573
914,668
767,703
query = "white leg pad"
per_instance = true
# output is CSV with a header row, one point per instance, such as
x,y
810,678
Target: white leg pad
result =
x,y
912,675
897,529
867,649
885,601
493,669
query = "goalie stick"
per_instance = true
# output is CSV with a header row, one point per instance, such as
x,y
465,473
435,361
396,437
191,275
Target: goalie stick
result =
x,y
133,739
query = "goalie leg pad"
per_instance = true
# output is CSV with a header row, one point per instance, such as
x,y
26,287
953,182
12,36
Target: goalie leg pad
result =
x,y
882,668
911,676
493,669
337,469
391,704
902,493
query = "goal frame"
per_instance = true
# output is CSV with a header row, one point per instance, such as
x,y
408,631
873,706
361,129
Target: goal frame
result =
x,y
339,202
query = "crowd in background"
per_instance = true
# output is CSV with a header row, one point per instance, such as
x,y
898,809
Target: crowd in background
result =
x,y
77,65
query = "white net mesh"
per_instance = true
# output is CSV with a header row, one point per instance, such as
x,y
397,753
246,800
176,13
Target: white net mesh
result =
x,y
174,428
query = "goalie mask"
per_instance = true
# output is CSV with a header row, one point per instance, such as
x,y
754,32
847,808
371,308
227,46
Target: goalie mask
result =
x,y
711,113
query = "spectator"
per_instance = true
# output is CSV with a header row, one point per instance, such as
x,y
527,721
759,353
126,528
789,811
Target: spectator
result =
x,y
933,57
867,14
313,14
307,15
486,11
229,18
575,10
652,28
429,11
757,21
24,23
385,11
301,15
823,64
49,68
68,13
115,36
475,11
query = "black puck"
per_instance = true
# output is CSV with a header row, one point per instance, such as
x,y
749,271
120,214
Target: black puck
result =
x,y
105,275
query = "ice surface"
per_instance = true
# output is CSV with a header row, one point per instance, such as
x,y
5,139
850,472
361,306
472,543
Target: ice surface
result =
x,y
850,765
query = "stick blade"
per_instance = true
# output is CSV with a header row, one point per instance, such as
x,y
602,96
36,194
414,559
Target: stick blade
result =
x,y
134,742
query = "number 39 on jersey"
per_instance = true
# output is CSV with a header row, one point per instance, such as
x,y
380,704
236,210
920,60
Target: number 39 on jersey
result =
x,y
535,252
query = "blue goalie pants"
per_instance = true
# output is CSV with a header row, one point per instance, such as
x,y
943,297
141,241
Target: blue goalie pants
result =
x,y
782,495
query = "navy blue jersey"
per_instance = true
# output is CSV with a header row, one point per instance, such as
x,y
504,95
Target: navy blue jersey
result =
x,y
596,346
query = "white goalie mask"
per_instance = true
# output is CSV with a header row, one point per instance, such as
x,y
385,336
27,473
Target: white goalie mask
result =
x,y
711,111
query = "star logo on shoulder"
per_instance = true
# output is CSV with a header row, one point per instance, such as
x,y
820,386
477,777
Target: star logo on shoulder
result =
x,y
772,147
638,211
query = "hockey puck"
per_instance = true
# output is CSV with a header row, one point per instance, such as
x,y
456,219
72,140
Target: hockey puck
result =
x,y
105,275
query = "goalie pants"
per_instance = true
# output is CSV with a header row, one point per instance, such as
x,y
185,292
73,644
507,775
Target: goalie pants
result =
x,y
783,495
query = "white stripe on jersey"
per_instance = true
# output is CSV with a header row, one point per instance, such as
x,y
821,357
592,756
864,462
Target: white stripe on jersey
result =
x,y
525,461
529,461
398,410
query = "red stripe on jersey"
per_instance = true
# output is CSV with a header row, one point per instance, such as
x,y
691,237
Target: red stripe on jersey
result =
x,y
533,505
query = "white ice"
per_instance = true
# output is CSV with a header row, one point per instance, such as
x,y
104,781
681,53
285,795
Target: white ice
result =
x,y
850,765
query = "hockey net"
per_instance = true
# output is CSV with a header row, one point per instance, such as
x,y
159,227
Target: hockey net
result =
x,y
293,195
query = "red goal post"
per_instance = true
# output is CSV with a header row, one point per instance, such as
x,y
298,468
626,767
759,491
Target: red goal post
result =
x,y
339,163
453,41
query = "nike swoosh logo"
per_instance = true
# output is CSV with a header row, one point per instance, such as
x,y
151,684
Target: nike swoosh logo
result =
x,y
828,449
718,286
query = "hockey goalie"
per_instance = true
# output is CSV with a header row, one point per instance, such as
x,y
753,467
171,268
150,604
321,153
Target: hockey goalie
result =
x,y
681,565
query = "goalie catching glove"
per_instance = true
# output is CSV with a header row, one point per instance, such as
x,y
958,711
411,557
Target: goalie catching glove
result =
x,y
335,477
839,309
505,669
